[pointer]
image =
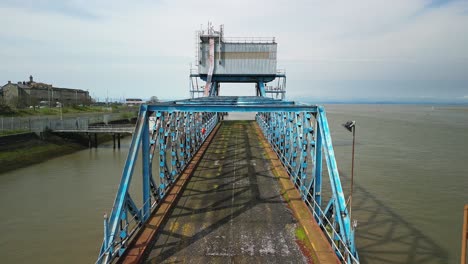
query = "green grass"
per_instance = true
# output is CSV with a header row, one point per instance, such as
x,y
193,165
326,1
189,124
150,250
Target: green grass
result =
x,y
127,115
46,111
65,110
12,132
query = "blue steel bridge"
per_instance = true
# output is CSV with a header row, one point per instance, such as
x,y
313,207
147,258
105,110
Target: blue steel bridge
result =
x,y
216,190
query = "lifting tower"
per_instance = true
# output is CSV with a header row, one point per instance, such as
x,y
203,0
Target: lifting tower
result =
x,y
235,60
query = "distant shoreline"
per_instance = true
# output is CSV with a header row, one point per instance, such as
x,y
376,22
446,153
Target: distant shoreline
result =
x,y
385,103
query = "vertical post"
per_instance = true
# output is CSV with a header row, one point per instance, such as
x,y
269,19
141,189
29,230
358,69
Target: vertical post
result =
x,y
89,141
352,174
113,139
118,140
145,147
106,231
464,235
261,88
318,169
95,140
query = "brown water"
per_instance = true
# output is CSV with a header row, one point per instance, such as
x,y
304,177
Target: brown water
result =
x,y
411,179
411,184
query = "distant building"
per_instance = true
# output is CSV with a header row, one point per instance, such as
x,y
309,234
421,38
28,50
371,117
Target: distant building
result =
x,y
133,101
31,93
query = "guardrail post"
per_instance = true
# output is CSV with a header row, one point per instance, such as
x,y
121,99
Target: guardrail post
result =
x,y
145,147
464,235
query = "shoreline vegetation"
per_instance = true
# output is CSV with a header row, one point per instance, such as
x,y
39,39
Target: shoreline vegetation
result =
x,y
27,149
20,148
7,111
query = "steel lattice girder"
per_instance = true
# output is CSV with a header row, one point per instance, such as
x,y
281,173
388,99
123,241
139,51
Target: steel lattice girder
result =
x,y
173,137
173,132
301,138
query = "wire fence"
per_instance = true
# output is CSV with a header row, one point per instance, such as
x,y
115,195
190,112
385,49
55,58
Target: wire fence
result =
x,y
40,124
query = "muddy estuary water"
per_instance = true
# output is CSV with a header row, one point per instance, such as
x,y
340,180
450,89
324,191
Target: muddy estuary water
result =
x,y
411,184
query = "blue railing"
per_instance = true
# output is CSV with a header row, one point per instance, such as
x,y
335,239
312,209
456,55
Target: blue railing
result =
x,y
172,137
302,140
171,133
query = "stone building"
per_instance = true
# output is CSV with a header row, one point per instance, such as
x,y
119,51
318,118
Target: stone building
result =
x,y
31,93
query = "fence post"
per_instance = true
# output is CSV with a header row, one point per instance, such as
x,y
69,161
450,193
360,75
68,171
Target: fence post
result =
x,y
464,235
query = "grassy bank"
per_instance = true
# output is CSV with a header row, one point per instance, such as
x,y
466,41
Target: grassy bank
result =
x,y
12,132
32,151
22,157
56,111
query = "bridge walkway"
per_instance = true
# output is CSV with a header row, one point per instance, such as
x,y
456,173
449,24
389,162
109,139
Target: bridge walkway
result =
x,y
231,210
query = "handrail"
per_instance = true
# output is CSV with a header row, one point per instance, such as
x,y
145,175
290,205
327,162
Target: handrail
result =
x,y
293,137
169,129
249,40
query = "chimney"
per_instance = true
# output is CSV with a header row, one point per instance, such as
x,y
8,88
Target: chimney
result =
x,y
30,79
9,82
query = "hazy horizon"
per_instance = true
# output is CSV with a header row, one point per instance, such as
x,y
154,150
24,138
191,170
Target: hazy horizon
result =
x,y
340,51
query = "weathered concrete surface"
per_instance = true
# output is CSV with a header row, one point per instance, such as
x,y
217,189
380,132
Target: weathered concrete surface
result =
x,y
231,210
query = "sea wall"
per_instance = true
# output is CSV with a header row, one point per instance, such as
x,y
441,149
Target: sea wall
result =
x,y
21,150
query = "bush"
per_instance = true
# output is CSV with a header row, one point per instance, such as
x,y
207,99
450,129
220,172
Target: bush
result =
x,y
6,110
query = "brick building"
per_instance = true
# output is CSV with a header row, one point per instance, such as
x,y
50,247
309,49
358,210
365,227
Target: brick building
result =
x,y
31,93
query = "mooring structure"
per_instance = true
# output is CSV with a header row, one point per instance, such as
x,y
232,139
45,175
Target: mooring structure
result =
x,y
168,135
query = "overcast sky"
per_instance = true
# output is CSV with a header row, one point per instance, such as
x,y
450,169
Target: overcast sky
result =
x,y
331,50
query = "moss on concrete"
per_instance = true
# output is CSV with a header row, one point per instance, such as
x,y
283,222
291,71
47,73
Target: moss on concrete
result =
x,y
300,233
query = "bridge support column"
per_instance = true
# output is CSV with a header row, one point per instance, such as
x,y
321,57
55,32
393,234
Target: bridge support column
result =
x,y
95,140
261,89
89,141
113,139
118,141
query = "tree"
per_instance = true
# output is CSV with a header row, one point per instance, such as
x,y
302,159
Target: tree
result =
x,y
154,99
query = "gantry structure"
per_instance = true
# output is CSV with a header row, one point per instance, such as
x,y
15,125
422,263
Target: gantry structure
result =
x,y
168,134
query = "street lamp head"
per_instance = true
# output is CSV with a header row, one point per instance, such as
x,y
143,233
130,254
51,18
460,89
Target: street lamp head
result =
x,y
349,125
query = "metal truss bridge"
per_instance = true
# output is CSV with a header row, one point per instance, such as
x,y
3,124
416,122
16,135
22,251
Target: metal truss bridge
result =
x,y
211,180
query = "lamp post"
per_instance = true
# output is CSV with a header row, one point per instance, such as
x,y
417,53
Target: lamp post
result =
x,y
61,113
351,127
